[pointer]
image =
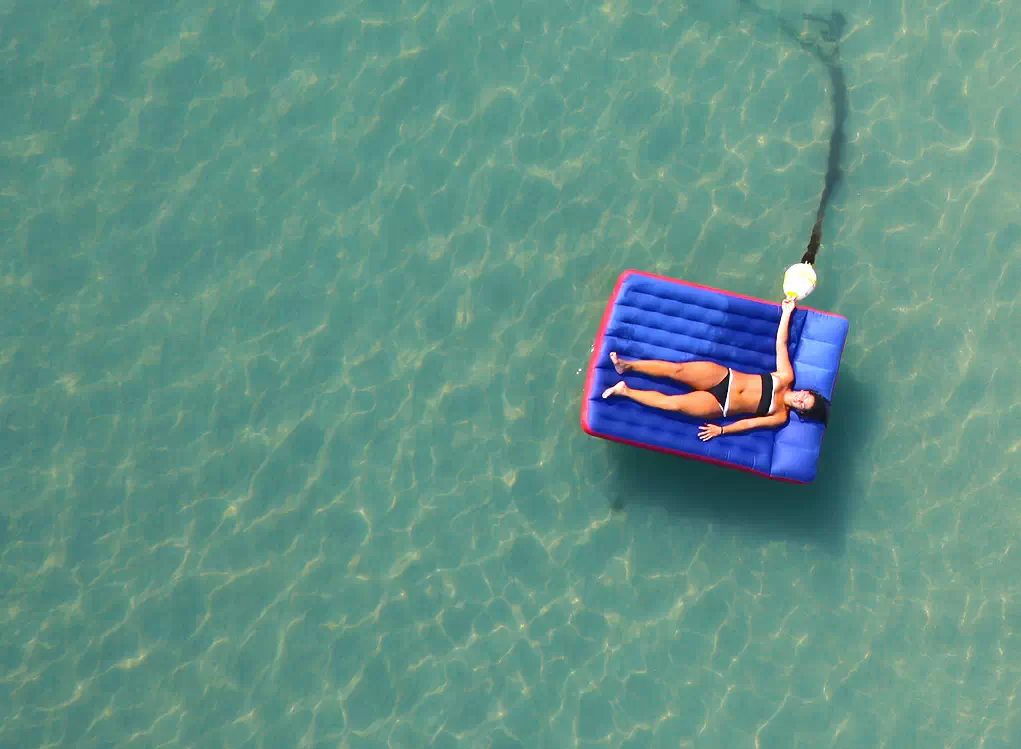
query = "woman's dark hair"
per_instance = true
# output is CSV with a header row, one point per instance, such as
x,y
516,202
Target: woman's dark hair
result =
x,y
820,410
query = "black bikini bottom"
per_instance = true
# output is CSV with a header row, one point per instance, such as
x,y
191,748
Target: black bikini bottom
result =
x,y
721,390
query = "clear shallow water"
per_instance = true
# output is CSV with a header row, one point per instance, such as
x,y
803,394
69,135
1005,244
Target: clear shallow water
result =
x,y
295,304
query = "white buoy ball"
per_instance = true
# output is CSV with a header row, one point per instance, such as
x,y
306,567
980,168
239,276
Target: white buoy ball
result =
x,y
799,281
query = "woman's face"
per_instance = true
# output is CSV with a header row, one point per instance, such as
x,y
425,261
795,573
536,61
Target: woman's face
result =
x,y
802,400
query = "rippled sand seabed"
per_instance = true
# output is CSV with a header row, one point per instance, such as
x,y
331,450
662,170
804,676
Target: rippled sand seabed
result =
x,y
297,299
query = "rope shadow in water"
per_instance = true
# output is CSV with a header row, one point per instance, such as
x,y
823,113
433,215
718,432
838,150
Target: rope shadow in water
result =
x,y
832,29
818,512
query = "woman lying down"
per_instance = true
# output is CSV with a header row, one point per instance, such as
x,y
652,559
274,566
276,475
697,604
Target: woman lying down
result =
x,y
718,390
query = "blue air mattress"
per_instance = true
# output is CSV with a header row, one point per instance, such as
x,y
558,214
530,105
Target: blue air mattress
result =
x,y
651,317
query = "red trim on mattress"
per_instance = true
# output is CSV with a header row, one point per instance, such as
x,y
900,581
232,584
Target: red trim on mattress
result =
x,y
597,346
591,374
692,456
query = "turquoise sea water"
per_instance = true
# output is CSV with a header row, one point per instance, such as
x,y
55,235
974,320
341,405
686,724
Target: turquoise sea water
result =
x,y
296,299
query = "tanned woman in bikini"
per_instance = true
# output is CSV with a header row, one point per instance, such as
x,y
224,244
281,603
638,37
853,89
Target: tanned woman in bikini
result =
x,y
719,391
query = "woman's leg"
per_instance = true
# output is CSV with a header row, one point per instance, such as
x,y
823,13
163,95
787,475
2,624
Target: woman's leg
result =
x,y
698,375
693,404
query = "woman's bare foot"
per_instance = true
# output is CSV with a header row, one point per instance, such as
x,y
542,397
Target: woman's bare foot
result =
x,y
620,366
619,389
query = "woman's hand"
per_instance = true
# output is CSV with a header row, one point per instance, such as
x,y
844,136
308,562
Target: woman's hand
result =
x,y
707,431
788,305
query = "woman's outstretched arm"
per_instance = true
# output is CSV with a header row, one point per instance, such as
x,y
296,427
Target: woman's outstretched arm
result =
x,y
784,370
708,431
